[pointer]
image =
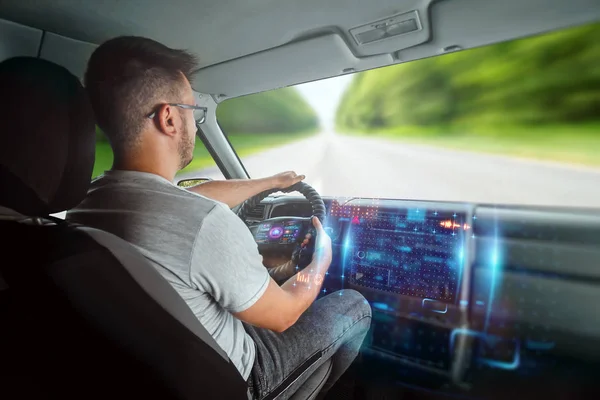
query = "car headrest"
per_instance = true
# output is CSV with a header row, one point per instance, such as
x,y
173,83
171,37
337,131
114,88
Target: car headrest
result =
x,y
47,137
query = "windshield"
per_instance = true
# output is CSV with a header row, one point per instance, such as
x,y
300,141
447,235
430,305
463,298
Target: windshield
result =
x,y
515,123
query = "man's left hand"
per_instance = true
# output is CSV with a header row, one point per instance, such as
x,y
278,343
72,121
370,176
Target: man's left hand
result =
x,y
285,179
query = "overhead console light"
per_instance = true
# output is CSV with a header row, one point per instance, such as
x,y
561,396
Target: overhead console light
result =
x,y
396,25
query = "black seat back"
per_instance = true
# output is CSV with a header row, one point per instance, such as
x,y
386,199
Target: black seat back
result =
x,y
79,315
82,313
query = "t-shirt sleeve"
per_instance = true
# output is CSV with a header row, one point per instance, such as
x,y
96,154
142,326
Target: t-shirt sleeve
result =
x,y
225,261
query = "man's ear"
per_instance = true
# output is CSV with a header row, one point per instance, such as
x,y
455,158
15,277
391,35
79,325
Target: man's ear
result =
x,y
166,116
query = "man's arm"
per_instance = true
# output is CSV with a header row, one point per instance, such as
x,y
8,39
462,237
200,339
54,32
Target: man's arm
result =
x,y
280,307
235,191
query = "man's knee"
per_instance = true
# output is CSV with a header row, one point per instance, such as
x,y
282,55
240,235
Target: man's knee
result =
x,y
346,308
355,303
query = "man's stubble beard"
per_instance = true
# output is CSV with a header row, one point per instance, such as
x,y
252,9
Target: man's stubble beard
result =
x,y
186,148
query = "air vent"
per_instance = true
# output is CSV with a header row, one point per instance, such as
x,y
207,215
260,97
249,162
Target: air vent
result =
x,y
386,28
257,212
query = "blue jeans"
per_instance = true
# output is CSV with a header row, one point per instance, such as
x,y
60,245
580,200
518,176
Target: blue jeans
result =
x,y
333,327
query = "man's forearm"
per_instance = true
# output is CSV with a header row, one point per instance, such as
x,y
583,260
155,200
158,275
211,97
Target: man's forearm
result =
x,y
233,191
306,284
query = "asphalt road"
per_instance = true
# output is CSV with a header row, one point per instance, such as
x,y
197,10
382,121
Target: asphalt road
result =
x,y
354,166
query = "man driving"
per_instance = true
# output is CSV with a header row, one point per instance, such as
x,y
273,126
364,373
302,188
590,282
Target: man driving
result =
x,y
275,335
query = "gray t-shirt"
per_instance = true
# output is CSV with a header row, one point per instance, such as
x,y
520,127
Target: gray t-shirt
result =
x,y
199,245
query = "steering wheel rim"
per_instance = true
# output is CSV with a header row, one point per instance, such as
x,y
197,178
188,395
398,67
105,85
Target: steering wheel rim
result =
x,y
314,198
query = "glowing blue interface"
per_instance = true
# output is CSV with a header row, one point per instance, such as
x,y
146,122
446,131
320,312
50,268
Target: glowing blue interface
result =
x,y
412,252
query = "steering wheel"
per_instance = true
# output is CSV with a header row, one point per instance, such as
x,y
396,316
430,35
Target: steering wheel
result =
x,y
285,233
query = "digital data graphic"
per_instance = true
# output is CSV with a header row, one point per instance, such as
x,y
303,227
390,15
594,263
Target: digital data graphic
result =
x,y
411,252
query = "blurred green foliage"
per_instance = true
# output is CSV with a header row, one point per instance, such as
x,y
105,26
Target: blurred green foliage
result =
x,y
547,79
277,111
100,136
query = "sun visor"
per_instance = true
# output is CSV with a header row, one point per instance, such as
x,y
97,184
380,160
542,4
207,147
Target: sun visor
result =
x,y
296,62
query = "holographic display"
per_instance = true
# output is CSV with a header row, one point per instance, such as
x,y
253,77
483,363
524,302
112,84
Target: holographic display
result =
x,y
413,252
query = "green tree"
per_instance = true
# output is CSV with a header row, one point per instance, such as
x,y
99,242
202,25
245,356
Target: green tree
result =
x,y
277,111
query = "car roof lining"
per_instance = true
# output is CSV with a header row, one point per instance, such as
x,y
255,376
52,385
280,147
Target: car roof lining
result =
x,y
249,47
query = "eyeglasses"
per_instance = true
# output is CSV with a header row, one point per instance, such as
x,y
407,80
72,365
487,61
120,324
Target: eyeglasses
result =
x,y
199,112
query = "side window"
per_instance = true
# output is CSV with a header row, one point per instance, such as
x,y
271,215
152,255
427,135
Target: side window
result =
x,y
201,166
104,154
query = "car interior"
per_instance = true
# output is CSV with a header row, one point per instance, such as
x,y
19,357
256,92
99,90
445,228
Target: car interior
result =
x,y
506,307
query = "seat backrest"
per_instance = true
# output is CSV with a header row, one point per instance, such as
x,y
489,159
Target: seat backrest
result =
x,y
85,310
82,313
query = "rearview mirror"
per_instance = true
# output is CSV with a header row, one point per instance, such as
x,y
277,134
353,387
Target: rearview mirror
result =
x,y
186,183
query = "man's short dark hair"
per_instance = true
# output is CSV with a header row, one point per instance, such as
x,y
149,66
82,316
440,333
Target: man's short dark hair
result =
x,y
126,77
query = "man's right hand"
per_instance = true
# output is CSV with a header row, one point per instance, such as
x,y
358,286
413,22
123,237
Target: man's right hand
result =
x,y
323,253
301,256
281,306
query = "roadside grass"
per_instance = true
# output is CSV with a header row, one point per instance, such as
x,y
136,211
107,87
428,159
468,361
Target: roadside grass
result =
x,y
244,145
574,144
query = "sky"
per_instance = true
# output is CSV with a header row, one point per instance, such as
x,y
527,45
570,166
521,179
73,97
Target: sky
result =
x,y
324,96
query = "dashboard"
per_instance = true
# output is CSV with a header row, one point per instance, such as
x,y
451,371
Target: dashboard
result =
x,y
465,293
